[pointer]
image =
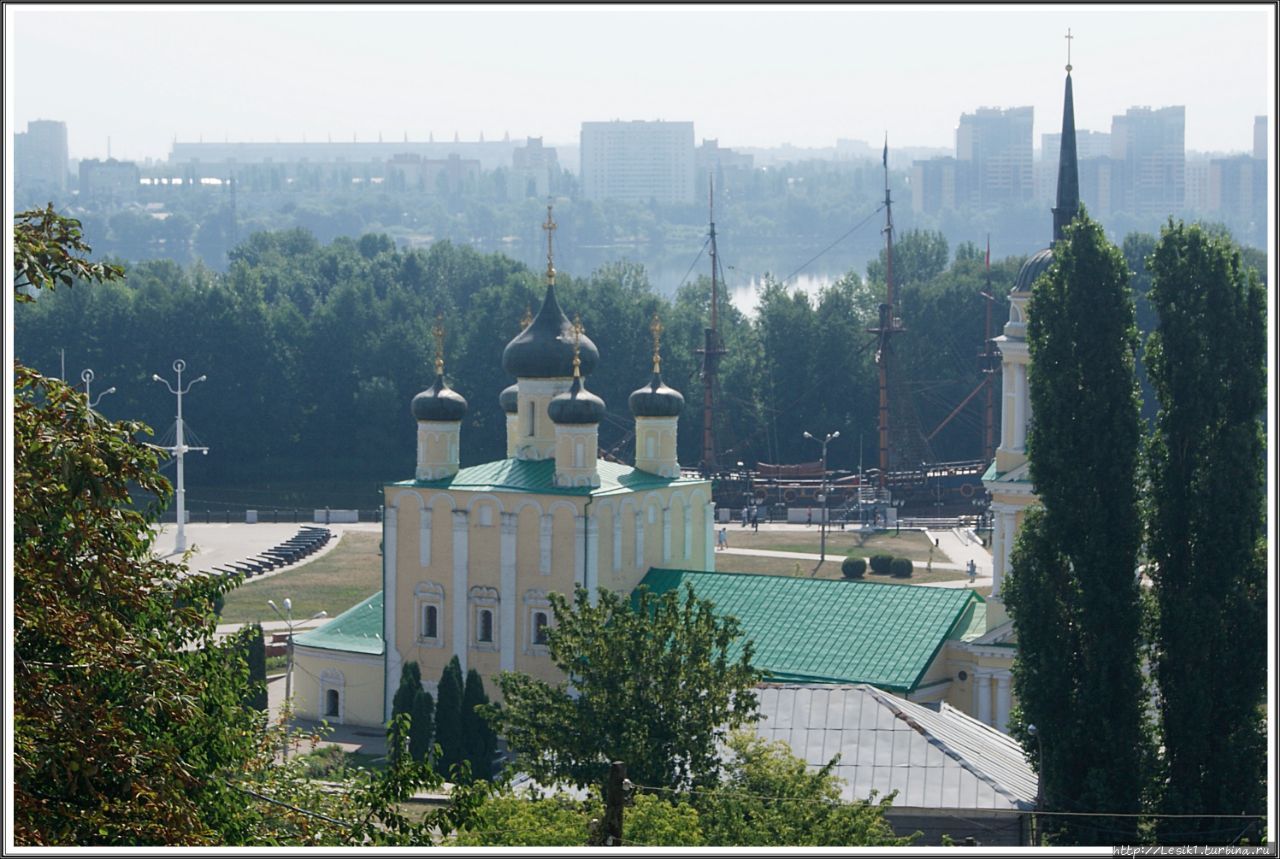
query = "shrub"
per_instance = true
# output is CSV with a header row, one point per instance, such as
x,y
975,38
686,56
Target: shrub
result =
x,y
853,568
880,564
901,568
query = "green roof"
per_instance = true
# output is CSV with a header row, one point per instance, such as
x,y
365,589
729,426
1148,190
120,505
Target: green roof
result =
x,y
356,630
835,631
523,475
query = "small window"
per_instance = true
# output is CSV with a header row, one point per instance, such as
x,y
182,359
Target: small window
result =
x,y
579,455
650,447
331,701
430,622
485,633
540,627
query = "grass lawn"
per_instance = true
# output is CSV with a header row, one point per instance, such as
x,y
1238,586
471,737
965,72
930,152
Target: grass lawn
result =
x,y
907,544
829,570
348,573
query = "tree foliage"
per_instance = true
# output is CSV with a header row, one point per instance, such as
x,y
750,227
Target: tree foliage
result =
x,y
422,726
479,742
655,684
449,721
1083,547
1207,361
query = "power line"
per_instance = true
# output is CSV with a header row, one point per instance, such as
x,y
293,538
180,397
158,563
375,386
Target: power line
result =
x,y
854,229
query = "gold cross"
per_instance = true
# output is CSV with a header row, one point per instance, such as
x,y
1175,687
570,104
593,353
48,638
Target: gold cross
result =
x,y
438,331
1069,37
550,227
577,337
655,328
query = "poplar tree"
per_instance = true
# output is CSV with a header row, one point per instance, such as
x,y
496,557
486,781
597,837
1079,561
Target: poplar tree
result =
x,y
1075,595
422,726
1207,363
478,740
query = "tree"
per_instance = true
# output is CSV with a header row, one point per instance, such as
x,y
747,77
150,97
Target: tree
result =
x,y
1083,548
256,656
422,726
770,798
449,729
511,820
479,743
1207,363
410,685
654,685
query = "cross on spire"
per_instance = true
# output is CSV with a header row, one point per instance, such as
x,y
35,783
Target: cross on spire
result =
x,y
1069,37
438,332
655,328
577,339
550,227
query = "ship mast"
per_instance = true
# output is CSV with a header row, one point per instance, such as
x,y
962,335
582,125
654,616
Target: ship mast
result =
x,y
711,352
889,324
989,369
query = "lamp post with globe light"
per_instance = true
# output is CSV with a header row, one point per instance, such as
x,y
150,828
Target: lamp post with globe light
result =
x,y
86,376
831,436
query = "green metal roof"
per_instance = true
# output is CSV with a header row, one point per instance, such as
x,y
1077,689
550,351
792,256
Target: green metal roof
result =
x,y
356,630
834,631
523,475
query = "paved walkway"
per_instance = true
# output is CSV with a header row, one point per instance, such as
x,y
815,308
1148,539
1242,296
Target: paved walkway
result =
x,y
218,544
956,547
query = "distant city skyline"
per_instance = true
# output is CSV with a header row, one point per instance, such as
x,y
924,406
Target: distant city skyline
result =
x,y
749,76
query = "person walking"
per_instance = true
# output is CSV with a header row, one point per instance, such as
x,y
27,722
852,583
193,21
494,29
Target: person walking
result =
x,y
722,539
973,570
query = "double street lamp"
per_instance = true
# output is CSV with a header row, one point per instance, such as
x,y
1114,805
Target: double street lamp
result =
x,y
86,376
287,617
180,447
831,436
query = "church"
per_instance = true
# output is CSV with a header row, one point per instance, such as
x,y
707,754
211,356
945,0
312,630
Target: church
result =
x,y
471,555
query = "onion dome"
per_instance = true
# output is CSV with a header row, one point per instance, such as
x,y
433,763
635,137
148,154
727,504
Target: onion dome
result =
x,y
576,406
1036,265
439,403
509,399
544,350
656,400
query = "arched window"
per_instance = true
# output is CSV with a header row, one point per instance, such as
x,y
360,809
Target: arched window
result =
x,y
332,698
579,455
539,627
650,446
485,632
430,602
430,621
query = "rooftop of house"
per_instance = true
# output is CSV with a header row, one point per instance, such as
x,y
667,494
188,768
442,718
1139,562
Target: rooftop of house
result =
x,y
538,476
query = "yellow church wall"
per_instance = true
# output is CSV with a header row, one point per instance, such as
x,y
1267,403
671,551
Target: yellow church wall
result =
x,y
528,550
356,677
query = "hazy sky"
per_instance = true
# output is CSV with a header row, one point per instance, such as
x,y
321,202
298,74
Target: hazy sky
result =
x,y
748,75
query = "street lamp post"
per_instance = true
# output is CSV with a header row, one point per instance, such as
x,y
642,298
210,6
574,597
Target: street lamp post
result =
x,y
287,617
831,436
180,448
86,376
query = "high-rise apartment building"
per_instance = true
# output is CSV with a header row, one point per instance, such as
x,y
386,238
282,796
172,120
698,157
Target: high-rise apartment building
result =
x,y
638,161
993,148
534,168
934,186
1149,148
40,155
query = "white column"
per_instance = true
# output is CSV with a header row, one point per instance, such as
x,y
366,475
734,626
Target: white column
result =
x,y
544,545
392,679
507,594
708,537
591,575
1007,408
1019,407
460,587
617,538
579,563
424,537
640,539
998,539
688,531
1010,535
1002,701
666,535
983,691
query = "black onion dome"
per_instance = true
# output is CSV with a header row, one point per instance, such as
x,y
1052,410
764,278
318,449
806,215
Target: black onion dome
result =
x,y
656,400
576,406
1035,266
439,403
544,350
509,399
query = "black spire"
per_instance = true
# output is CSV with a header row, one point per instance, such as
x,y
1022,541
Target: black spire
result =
x,y
1068,172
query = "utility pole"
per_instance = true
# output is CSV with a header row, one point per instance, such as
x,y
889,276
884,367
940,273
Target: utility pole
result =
x,y
710,352
180,448
831,436
615,795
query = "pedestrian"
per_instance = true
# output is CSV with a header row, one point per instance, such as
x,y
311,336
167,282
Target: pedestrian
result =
x,y
809,520
755,521
722,541
973,570
744,517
